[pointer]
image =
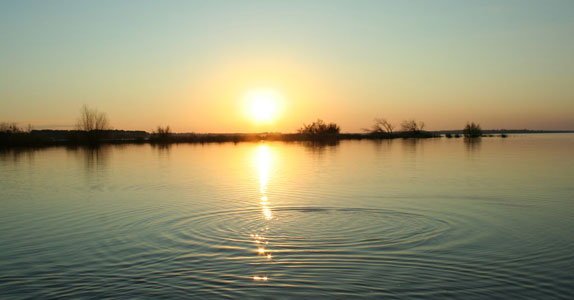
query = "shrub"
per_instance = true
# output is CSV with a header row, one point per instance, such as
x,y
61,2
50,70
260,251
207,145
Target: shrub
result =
x,y
91,119
162,134
472,130
412,126
381,126
93,124
10,128
319,128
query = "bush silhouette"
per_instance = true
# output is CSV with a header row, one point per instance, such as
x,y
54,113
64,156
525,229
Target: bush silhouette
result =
x,y
412,126
319,129
93,124
382,126
472,130
161,134
91,119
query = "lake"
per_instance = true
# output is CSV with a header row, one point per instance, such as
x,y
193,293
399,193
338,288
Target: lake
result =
x,y
430,219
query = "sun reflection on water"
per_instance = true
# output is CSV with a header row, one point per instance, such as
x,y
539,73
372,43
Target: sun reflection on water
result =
x,y
263,159
264,168
260,278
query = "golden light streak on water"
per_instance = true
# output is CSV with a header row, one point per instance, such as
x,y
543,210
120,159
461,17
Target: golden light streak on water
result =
x,y
263,159
260,278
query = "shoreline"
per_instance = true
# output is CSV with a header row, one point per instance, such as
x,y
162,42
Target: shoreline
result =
x,y
37,139
48,138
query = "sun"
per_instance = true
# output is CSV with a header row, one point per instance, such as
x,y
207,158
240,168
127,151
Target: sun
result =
x,y
263,105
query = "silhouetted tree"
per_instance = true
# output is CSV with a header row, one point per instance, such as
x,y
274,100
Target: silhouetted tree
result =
x,y
161,134
472,130
382,126
93,123
412,126
319,128
91,119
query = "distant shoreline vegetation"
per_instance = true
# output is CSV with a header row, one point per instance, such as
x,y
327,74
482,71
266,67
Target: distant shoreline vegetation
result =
x,y
40,138
93,129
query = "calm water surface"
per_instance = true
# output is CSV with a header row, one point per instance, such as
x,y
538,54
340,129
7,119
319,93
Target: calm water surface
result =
x,y
440,218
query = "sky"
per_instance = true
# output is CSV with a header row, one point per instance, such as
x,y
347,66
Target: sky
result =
x,y
190,64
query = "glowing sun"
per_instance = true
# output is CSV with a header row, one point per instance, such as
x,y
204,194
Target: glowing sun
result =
x,y
263,105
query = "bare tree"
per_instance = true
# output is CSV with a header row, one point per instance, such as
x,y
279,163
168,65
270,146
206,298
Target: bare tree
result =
x,y
412,126
91,119
382,126
94,125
